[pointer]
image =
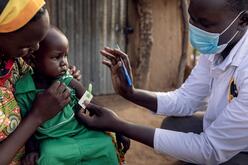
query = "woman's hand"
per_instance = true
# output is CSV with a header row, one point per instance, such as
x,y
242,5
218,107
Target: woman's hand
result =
x,y
45,106
114,60
75,72
99,118
50,102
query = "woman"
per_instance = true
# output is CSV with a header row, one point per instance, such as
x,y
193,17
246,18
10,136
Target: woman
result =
x,y
23,24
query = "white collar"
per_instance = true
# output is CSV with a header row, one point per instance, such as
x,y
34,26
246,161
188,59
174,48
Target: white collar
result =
x,y
235,56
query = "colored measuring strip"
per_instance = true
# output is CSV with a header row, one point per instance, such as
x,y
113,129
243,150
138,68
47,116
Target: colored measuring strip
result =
x,y
126,74
88,96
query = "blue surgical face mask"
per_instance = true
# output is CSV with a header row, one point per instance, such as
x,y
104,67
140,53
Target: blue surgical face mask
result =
x,y
206,42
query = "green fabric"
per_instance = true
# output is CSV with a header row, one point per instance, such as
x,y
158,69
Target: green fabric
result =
x,y
63,141
63,124
91,148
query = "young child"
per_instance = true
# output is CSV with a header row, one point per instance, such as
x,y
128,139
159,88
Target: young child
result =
x,y
62,139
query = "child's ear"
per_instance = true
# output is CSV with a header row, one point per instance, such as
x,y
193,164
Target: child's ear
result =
x,y
243,23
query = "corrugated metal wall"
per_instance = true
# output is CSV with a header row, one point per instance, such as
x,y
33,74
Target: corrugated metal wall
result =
x,y
90,25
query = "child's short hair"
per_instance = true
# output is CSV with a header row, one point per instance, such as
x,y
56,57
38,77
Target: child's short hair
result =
x,y
30,60
238,5
52,27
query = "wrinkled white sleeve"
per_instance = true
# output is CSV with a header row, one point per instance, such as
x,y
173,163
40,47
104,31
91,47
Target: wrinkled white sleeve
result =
x,y
223,139
191,96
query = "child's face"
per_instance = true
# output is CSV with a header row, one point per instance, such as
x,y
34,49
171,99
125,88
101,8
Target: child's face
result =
x,y
51,60
214,16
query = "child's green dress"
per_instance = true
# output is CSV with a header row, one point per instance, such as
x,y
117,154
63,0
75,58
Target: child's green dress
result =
x,y
63,141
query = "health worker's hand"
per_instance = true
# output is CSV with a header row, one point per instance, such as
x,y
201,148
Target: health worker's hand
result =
x,y
98,118
113,62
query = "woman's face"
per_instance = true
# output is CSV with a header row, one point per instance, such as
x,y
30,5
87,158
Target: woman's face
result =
x,y
26,40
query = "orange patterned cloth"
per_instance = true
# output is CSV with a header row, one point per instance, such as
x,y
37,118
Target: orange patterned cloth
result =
x,y
120,154
9,110
17,13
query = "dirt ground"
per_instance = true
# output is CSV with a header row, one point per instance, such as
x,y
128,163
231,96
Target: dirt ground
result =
x,y
138,154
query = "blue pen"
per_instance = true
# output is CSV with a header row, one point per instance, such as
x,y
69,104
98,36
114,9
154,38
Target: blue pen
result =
x,y
127,76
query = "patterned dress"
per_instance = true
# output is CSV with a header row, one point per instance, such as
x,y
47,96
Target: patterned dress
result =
x,y
10,72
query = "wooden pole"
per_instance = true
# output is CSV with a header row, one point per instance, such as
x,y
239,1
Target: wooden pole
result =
x,y
185,41
145,42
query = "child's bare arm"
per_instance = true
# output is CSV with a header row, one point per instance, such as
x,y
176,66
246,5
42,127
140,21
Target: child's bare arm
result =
x,y
78,87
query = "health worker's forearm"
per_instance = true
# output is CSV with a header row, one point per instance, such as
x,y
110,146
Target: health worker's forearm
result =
x,y
143,98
